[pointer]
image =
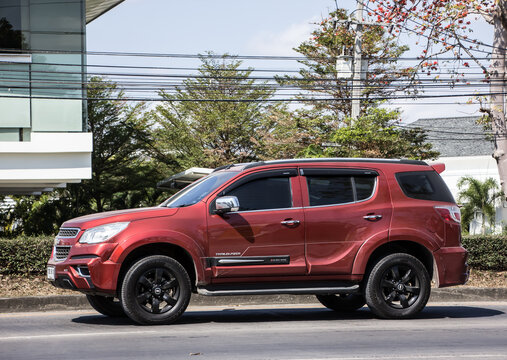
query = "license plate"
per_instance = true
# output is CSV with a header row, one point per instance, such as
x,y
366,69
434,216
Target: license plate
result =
x,y
51,272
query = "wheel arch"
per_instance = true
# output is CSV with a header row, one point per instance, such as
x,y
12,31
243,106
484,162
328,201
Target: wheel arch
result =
x,y
419,251
174,251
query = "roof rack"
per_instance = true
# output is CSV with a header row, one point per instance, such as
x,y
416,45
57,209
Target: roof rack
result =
x,y
366,160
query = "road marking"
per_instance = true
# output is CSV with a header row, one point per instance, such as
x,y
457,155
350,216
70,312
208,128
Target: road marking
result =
x,y
47,313
56,336
413,357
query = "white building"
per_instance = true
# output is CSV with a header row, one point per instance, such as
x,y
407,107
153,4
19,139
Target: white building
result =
x,y
465,151
44,138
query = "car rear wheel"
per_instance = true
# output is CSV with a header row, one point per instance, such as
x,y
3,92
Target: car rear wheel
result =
x,y
398,287
155,290
342,302
108,306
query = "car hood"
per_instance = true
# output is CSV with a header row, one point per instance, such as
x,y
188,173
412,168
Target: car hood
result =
x,y
92,220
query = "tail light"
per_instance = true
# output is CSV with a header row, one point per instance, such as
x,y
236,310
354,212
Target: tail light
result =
x,y
449,213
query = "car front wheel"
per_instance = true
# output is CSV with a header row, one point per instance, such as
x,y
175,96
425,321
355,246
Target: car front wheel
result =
x,y
155,290
398,287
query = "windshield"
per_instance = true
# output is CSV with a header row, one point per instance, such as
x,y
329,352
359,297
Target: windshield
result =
x,y
195,192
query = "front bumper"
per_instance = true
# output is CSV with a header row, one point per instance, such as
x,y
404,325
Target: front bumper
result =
x,y
452,267
89,273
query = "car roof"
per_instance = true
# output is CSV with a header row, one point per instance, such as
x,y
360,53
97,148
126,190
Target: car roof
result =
x,y
245,166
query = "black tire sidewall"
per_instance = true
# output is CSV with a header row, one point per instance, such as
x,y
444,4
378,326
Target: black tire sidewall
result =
x,y
349,302
373,291
106,305
128,290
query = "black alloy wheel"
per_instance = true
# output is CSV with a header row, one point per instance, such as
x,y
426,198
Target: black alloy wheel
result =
x,y
397,287
401,286
155,290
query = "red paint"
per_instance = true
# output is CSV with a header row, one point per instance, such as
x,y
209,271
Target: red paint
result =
x,y
331,242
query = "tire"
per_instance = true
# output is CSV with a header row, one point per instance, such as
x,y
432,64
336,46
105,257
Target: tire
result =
x,y
106,305
342,302
156,290
398,287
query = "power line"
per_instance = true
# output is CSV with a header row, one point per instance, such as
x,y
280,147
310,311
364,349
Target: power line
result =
x,y
265,100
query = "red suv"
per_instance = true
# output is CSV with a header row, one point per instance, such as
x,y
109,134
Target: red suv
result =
x,y
350,231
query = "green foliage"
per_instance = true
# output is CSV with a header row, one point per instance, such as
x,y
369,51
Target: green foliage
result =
x,y
375,134
124,174
29,255
478,196
333,41
25,255
122,168
486,252
212,133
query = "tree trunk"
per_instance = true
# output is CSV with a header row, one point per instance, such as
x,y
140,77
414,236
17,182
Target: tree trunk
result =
x,y
497,89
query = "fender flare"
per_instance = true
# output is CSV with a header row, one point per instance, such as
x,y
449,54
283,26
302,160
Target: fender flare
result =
x,y
368,248
130,244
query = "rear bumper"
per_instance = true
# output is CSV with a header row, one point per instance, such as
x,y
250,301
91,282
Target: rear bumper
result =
x,y
91,276
452,267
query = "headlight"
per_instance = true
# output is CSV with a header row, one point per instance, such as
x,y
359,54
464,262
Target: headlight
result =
x,y
102,233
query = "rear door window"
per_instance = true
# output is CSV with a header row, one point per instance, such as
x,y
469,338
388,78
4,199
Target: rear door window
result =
x,y
327,190
424,185
339,186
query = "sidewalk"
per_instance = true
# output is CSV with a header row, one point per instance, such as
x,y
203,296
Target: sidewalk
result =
x,y
70,302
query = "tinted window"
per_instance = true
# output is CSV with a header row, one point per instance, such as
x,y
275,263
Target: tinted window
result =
x,y
424,185
265,193
364,186
327,190
10,25
333,190
196,191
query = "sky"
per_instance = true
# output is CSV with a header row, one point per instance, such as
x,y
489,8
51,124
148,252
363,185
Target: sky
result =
x,y
261,27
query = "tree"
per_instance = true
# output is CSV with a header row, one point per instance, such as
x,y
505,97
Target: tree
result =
x,y
376,134
331,41
317,122
218,117
123,172
478,196
444,27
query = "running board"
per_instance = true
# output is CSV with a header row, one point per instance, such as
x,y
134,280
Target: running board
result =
x,y
291,291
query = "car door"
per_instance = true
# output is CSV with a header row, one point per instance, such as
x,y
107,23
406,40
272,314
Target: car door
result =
x,y
266,236
344,208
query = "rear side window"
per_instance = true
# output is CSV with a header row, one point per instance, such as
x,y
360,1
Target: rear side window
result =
x,y
339,189
424,185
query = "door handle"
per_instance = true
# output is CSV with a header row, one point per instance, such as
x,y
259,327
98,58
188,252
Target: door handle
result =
x,y
290,223
372,217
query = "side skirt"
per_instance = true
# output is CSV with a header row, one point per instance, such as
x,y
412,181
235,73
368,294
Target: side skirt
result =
x,y
278,288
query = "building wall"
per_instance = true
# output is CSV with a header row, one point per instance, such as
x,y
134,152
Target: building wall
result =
x,y
479,167
41,67
43,134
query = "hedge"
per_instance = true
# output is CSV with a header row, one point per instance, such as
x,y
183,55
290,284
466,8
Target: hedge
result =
x,y
29,255
25,255
486,252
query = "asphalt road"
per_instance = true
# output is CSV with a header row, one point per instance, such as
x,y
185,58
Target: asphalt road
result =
x,y
442,331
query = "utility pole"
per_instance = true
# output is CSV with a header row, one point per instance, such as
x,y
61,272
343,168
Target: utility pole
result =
x,y
357,63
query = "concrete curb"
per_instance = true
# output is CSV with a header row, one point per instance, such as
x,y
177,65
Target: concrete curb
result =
x,y
79,302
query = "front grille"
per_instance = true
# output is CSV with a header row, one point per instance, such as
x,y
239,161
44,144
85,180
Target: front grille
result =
x,y
61,252
68,232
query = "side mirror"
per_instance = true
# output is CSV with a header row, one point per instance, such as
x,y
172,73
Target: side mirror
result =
x,y
226,204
